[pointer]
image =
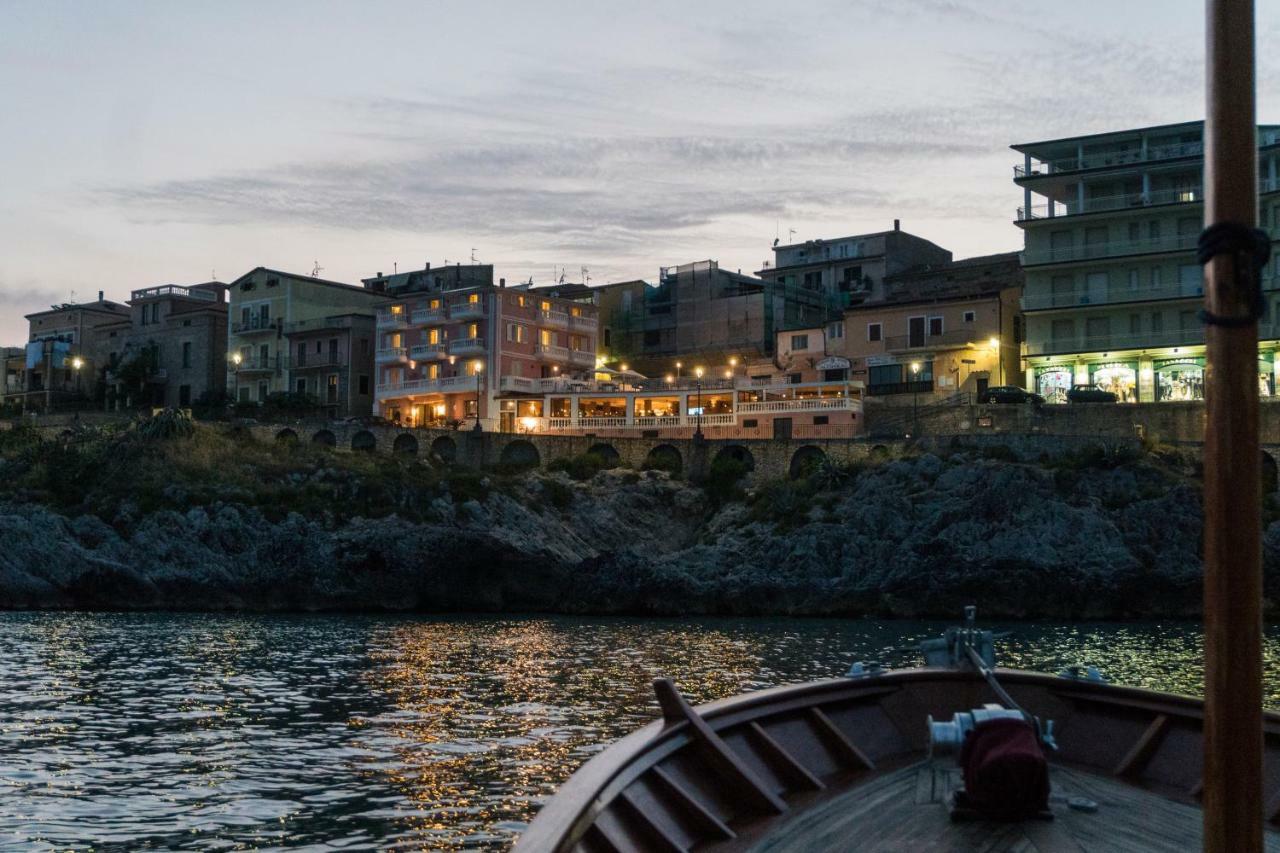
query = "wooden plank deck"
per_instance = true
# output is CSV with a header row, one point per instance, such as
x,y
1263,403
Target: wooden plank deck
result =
x,y
905,811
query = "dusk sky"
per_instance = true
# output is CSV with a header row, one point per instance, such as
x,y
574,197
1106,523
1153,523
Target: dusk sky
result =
x,y
149,143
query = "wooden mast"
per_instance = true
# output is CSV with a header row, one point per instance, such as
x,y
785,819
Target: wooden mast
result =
x,y
1232,483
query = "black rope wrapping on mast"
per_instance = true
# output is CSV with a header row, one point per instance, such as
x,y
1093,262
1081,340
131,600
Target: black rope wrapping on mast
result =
x,y
1251,248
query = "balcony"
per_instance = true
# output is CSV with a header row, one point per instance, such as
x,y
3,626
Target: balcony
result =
x,y
429,316
429,352
1032,301
270,364
1112,159
442,385
1049,209
1113,249
322,324
582,358
173,290
254,325
954,338
391,355
551,352
808,404
466,310
554,319
466,346
316,362
393,320
586,320
1106,343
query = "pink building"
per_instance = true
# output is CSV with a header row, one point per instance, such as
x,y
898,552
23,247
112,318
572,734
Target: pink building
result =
x,y
452,348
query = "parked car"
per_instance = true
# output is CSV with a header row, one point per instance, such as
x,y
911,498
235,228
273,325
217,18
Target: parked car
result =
x,y
1010,394
1089,394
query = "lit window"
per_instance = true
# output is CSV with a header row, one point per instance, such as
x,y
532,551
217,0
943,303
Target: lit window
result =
x,y
473,298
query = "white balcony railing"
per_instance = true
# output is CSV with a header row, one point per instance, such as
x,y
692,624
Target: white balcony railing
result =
x,y
1112,249
392,320
429,352
446,384
552,352
1110,159
391,355
801,405
428,316
1074,298
586,358
555,319
466,310
466,346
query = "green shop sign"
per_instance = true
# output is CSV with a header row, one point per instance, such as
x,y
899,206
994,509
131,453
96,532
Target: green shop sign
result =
x,y
1167,363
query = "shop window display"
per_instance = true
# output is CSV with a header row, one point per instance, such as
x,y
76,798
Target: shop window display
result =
x,y
1179,380
1119,379
1054,383
1266,379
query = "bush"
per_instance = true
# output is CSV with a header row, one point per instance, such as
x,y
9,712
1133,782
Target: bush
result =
x,y
723,481
167,424
581,467
785,503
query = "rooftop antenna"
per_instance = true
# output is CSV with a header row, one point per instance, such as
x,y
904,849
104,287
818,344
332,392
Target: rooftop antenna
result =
x,y
791,235
317,269
395,268
73,297
586,276
473,254
560,280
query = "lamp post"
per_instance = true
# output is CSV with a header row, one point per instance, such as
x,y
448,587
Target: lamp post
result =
x,y
678,366
915,397
76,364
995,345
479,371
236,358
697,372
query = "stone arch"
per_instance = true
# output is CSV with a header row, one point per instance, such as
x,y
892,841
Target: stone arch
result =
x,y
364,440
805,461
445,449
664,457
287,436
607,454
520,454
1270,474
737,453
405,443
325,437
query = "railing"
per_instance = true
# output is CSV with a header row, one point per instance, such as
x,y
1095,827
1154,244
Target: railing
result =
x,y
559,319
255,324
392,320
1097,204
315,325
924,386
173,290
551,351
1092,343
585,358
466,310
428,352
1073,298
1111,159
1113,249
390,355
322,360
799,405
255,365
466,345
426,316
954,338
426,386
587,319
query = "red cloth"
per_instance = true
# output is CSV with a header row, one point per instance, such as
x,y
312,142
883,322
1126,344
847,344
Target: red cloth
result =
x,y
1006,776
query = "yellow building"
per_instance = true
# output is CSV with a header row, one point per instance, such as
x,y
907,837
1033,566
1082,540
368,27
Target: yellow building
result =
x,y
266,307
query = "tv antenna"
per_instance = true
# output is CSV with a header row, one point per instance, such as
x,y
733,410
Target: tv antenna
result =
x,y
317,269
560,280
586,277
791,235
473,254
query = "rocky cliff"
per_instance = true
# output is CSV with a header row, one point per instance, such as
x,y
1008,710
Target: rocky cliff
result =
x,y
910,537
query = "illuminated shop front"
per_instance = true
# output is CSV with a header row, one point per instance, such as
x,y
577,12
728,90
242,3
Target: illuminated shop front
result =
x,y
1053,383
1266,377
1179,379
1118,377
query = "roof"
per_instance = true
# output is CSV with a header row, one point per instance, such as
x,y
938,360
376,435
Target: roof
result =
x,y
98,306
1022,146
299,277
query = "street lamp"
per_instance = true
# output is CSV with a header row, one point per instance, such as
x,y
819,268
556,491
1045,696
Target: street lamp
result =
x,y
236,358
479,369
76,364
994,343
678,366
697,372
915,397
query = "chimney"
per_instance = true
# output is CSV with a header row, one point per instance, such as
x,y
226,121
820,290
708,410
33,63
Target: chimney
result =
x,y
379,274
99,295
428,266
502,282
897,225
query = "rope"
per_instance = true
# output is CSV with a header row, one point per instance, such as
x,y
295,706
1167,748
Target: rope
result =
x,y
1251,248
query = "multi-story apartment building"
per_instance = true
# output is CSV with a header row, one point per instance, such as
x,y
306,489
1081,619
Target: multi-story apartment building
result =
x,y
272,313
698,311
172,348
1113,289
848,270
936,330
67,353
14,366
452,347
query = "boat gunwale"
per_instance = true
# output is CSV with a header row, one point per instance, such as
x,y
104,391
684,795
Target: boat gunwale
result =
x,y
595,784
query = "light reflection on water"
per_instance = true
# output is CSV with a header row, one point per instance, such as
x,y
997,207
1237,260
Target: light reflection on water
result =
x,y
201,731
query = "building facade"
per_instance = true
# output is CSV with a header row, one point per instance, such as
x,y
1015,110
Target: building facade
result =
x,y
454,348
171,350
68,353
849,270
272,313
1113,289
932,332
330,360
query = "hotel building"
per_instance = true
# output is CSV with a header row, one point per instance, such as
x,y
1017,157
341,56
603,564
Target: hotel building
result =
x,y
453,348
1113,290
302,334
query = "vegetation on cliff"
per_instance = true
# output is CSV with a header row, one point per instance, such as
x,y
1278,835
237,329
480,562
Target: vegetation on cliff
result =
x,y
169,514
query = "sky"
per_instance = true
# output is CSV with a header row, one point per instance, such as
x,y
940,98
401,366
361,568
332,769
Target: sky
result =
x,y
172,142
